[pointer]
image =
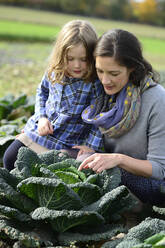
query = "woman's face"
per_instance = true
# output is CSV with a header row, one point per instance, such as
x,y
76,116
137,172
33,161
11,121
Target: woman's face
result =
x,y
112,75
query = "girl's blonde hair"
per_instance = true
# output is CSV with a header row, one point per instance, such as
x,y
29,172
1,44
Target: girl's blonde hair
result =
x,y
73,33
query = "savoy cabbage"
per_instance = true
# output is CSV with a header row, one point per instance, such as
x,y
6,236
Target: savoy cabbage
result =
x,y
45,199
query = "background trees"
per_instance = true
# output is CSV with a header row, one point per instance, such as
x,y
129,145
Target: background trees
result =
x,y
145,11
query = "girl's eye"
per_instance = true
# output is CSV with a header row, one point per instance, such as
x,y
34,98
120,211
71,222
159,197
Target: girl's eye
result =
x,y
69,59
83,59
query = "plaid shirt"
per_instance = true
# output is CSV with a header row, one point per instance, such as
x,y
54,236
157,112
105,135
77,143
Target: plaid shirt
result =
x,y
63,104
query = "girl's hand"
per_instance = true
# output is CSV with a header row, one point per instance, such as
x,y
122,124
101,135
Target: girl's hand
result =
x,y
100,161
44,127
22,131
83,149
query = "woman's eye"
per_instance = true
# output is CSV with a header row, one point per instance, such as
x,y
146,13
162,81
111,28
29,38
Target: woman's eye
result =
x,y
114,75
98,71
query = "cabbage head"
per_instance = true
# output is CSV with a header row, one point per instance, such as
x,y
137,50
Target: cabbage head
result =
x,y
45,199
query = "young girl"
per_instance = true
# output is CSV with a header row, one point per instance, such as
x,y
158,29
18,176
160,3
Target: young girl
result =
x,y
67,88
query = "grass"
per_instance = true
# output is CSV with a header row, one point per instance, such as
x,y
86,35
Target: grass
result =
x,y
58,19
10,30
22,64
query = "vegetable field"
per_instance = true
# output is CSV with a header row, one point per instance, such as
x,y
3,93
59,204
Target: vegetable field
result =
x,y
45,201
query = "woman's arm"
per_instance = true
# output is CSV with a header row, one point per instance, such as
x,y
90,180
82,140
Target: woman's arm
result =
x,y
102,161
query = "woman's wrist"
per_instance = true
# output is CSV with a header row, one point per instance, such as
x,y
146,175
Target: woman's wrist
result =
x,y
122,160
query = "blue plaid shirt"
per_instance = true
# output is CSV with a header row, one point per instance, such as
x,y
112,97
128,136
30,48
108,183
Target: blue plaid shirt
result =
x,y
63,104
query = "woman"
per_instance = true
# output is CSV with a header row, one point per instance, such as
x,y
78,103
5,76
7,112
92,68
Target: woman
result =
x,y
131,115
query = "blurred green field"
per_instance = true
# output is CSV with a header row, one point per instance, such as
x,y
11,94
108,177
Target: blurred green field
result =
x,y
58,19
22,64
13,30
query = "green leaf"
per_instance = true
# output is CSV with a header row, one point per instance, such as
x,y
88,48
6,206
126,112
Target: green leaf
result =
x,y
8,99
141,232
27,239
155,238
52,156
88,193
64,164
20,100
109,179
142,246
8,177
8,130
64,220
67,177
14,213
4,111
107,205
8,192
93,179
160,244
27,161
44,172
159,210
69,168
4,143
51,193
99,233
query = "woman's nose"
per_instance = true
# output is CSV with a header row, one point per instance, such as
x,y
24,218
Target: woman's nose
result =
x,y
106,79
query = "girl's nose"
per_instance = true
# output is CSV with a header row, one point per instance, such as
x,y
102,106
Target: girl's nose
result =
x,y
77,63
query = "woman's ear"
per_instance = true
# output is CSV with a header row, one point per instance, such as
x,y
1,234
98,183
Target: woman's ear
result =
x,y
131,69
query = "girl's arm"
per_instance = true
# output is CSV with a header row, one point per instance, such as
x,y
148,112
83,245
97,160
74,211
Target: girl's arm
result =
x,y
41,98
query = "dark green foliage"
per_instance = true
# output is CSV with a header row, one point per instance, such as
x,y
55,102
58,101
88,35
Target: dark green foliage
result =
x,y
64,220
48,189
14,112
160,211
140,235
103,232
155,238
50,192
112,243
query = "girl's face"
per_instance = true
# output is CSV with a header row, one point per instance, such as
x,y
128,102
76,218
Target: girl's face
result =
x,y
76,61
112,75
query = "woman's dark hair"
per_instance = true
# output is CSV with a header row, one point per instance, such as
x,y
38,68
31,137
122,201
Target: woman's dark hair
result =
x,y
127,51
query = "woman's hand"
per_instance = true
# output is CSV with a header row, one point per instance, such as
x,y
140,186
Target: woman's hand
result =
x,y
100,161
83,149
44,127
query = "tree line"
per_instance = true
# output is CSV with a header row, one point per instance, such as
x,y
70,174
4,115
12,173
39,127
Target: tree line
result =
x,y
145,11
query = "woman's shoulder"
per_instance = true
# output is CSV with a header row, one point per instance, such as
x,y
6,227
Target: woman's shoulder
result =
x,y
153,99
156,92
